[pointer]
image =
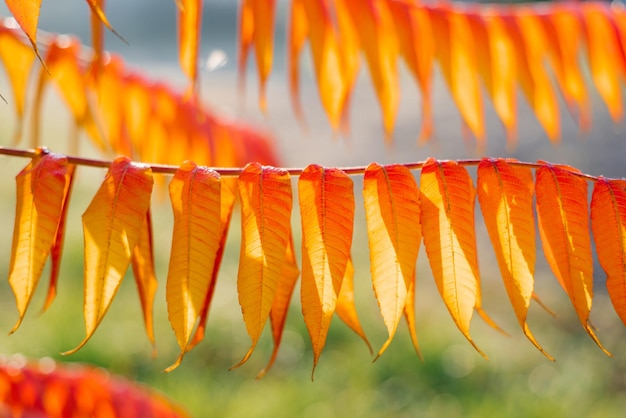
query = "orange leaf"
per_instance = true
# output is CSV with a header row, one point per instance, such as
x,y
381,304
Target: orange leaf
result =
x,y
447,217
41,187
266,202
327,211
195,198
346,309
145,277
506,204
18,61
605,59
392,211
227,201
280,306
608,223
529,43
98,18
564,230
112,226
409,315
189,29
57,246
374,25
297,34
456,54
416,43
26,12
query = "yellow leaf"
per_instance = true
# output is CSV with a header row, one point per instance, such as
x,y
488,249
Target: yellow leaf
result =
x,y
392,212
227,201
447,217
41,187
608,223
266,202
189,29
506,204
346,309
327,211
564,230
145,277
57,245
18,61
297,34
112,226
26,12
195,197
409,315
280,306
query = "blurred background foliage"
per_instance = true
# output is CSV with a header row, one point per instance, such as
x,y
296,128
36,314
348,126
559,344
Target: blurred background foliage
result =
x,y
452,381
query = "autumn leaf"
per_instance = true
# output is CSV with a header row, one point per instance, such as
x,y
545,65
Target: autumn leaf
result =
x,y
266,202
564,230
142,262
26,13
195,197
280,306
99,18
112,226
506,204
391,200
189,28
346,308
327,214
447,217
608,223
41,188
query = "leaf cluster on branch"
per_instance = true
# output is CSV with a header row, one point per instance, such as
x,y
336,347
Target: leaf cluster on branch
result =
x,y
123,112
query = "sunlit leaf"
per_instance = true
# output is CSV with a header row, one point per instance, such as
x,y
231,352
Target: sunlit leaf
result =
x,y
266,202
26,12
447,217
608,223
189,29
327,211
392,212
142,262
506,204
346,308
112,226
41,188
195,197
564,230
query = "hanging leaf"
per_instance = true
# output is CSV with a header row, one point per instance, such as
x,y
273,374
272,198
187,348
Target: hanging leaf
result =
x,y
608,223
280,306
112,226
392,211
447,217
26,13
195,198
41,187
18,62
189,29
346,309
266,202
142,262
409,315
564,230
57,245
99,18
227,201
506,204
327,212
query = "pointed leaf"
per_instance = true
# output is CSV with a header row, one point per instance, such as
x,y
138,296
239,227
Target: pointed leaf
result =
x,y
195,198
409,315
280,307
189,29
564,230
327,211
99,18
142,262
112,226
447,217
57,246
608,223
26,12
41,189
392,212
506,204
346,309
266,202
